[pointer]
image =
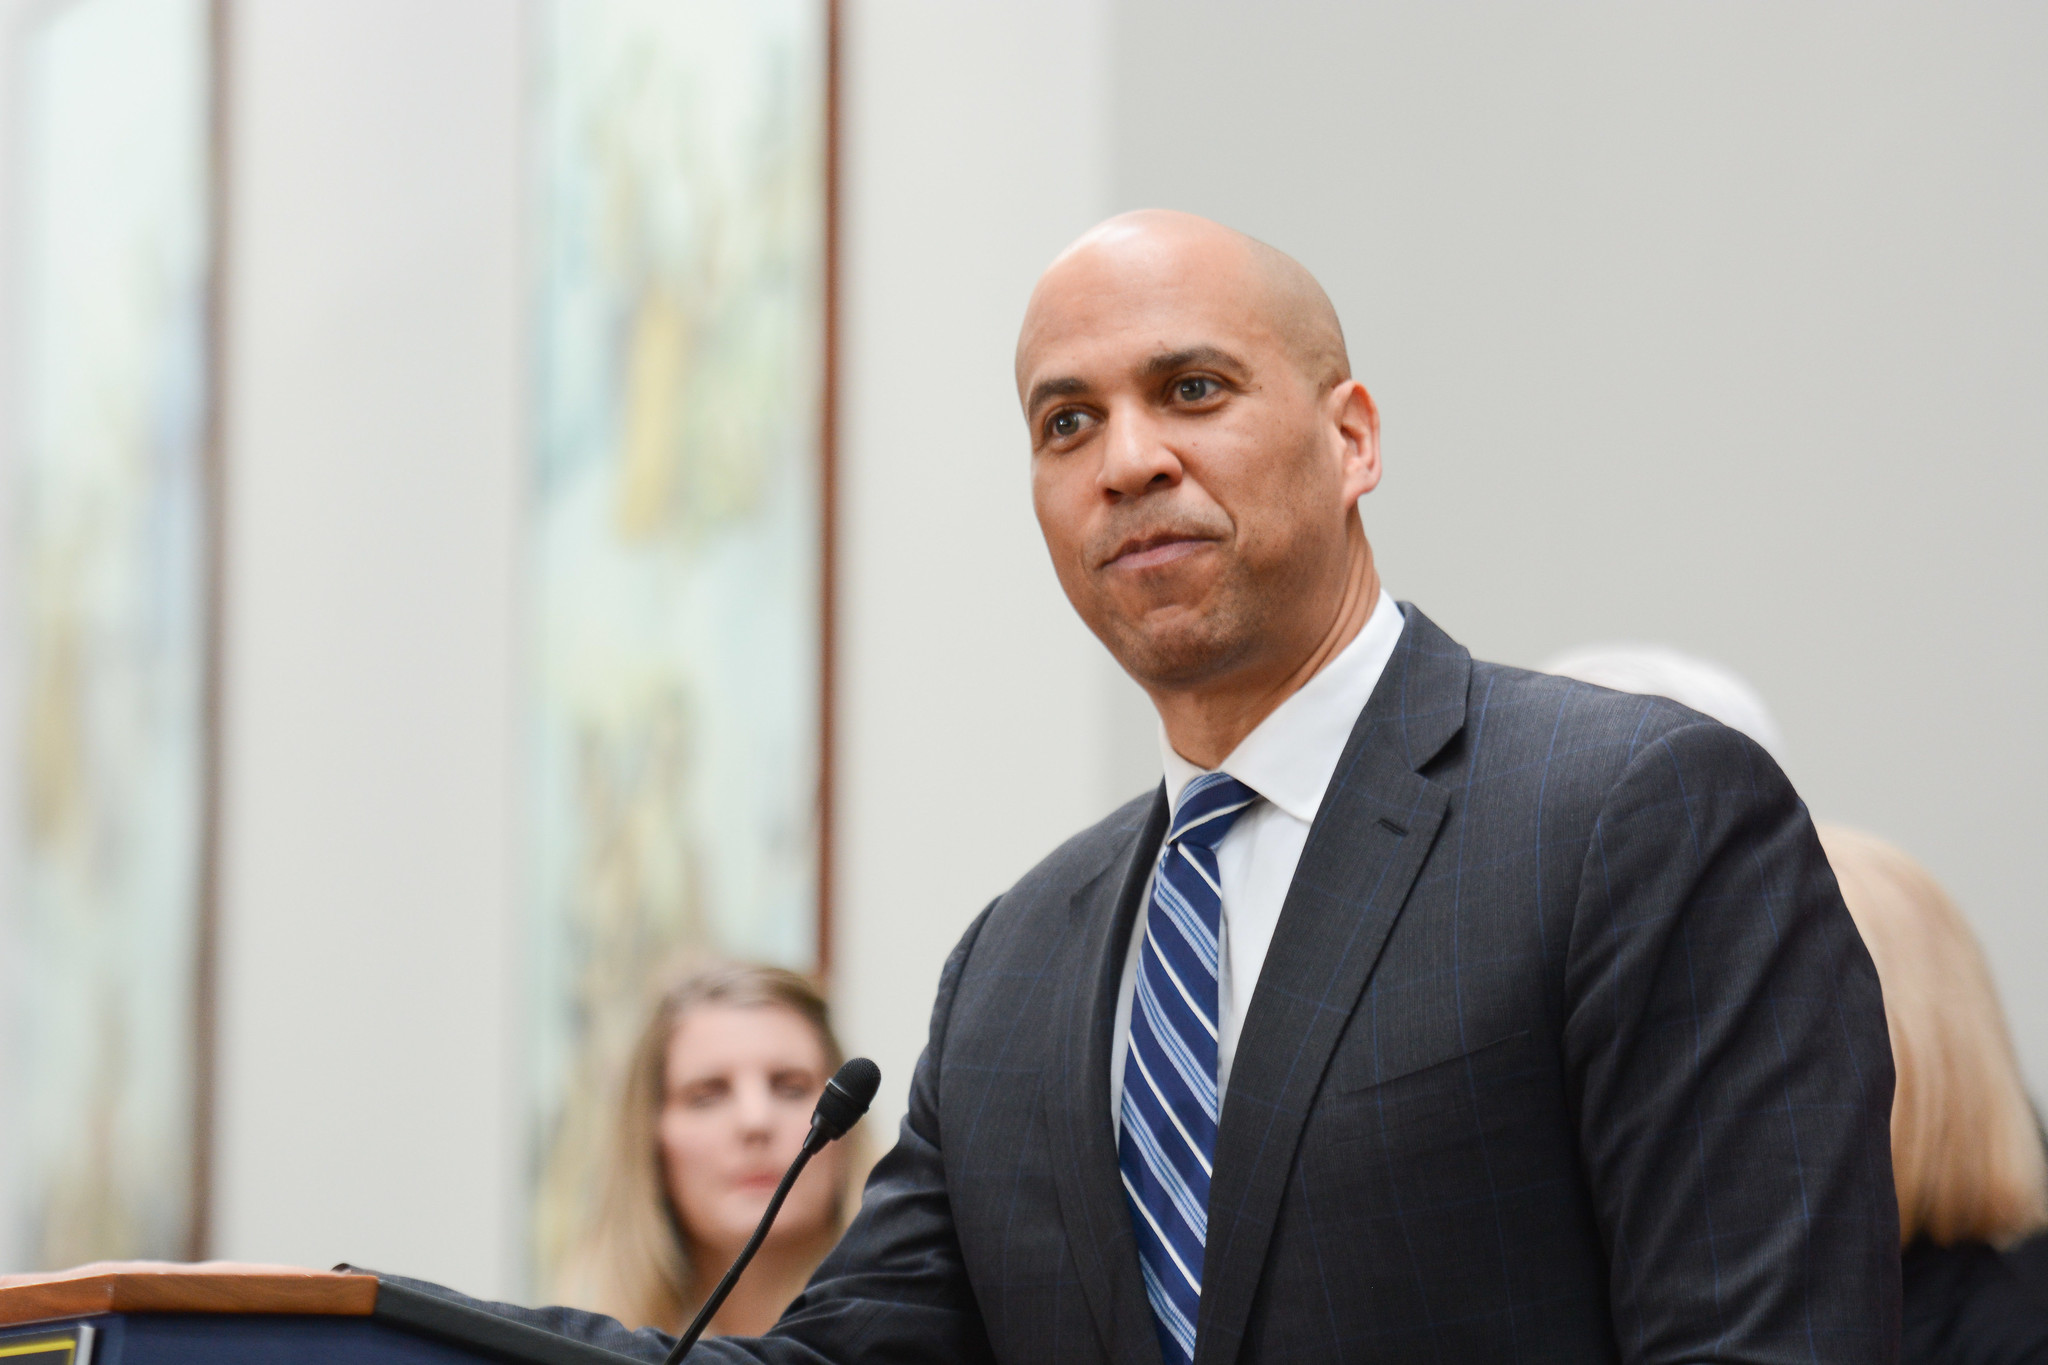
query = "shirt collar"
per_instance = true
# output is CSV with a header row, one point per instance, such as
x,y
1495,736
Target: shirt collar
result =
x,y
1290,756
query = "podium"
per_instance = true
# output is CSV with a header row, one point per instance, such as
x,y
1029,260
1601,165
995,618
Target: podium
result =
x,y
203,1315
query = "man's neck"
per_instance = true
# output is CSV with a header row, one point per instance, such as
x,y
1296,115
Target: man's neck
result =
x,y
1205,724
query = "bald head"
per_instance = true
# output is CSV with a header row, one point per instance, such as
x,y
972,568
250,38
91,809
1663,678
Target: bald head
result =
x,y
1151,248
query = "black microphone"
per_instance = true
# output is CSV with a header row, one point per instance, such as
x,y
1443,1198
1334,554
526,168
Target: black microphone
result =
x,y
847,1096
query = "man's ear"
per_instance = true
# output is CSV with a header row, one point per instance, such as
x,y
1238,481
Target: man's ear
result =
x,y
1355,426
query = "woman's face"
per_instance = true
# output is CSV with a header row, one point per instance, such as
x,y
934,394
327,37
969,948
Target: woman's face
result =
x,y
740,1086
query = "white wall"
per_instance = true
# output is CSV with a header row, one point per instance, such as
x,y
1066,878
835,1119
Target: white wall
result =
x,y
973,704
374,363
1717,325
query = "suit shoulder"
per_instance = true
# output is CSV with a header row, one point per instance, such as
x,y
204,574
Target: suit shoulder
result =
x,y
1082,857
1040,908
1593,735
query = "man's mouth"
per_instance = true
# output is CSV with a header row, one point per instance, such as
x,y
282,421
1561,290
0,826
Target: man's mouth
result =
x,y
1149,552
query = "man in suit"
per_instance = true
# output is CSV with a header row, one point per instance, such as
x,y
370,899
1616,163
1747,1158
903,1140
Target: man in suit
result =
x,y
1430,1010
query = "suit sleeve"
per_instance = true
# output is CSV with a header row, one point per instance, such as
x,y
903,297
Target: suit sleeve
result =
x,y
894,1289
1725,1043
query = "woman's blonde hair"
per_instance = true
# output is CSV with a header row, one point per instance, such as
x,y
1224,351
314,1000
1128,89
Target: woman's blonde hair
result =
x,y
1967,1150
635,1265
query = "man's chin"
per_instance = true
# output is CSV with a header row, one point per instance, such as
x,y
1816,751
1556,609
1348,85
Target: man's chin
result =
x,y
1173,654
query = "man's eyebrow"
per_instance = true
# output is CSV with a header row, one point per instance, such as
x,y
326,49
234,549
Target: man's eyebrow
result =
x,y
1054,388
1214,357
1155,367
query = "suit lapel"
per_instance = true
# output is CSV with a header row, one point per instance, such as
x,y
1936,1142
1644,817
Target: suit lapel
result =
x,y
1076,1091
1370,837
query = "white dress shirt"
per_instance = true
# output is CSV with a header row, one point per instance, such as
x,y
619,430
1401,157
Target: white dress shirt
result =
x,y
1288,759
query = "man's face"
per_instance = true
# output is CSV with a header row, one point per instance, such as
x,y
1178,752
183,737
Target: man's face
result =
x,y
1193,483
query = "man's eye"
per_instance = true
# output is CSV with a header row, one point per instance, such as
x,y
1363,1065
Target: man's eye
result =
x,y
1194,389
1065,424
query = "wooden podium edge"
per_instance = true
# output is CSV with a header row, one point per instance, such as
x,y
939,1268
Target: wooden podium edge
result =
x,y
72,1295
351,1292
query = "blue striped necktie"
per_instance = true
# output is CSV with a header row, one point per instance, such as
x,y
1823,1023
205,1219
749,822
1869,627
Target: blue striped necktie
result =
x,y
1167,1143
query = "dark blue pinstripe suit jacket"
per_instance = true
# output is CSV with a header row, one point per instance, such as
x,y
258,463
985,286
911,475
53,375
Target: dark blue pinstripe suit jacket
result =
x,y
1565,1050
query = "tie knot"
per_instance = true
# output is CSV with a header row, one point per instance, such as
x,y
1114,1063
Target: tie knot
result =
x,y
1209,806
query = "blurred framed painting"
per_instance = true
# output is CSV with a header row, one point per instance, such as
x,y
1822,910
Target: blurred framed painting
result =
x,y
109,485
678,570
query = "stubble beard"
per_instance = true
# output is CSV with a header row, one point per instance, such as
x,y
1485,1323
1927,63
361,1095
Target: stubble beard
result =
x,y
1175,647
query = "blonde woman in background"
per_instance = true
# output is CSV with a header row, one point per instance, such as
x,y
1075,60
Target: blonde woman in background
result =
x,y
1967,1151
716,1103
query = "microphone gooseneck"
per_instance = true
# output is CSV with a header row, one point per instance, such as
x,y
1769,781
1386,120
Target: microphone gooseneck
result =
x,y
847,1096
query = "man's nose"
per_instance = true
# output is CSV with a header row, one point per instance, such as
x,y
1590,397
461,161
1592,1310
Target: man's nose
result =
x,y
1135,455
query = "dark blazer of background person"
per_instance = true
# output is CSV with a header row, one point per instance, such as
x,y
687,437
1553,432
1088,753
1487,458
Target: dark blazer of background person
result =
x,y
1564,1047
